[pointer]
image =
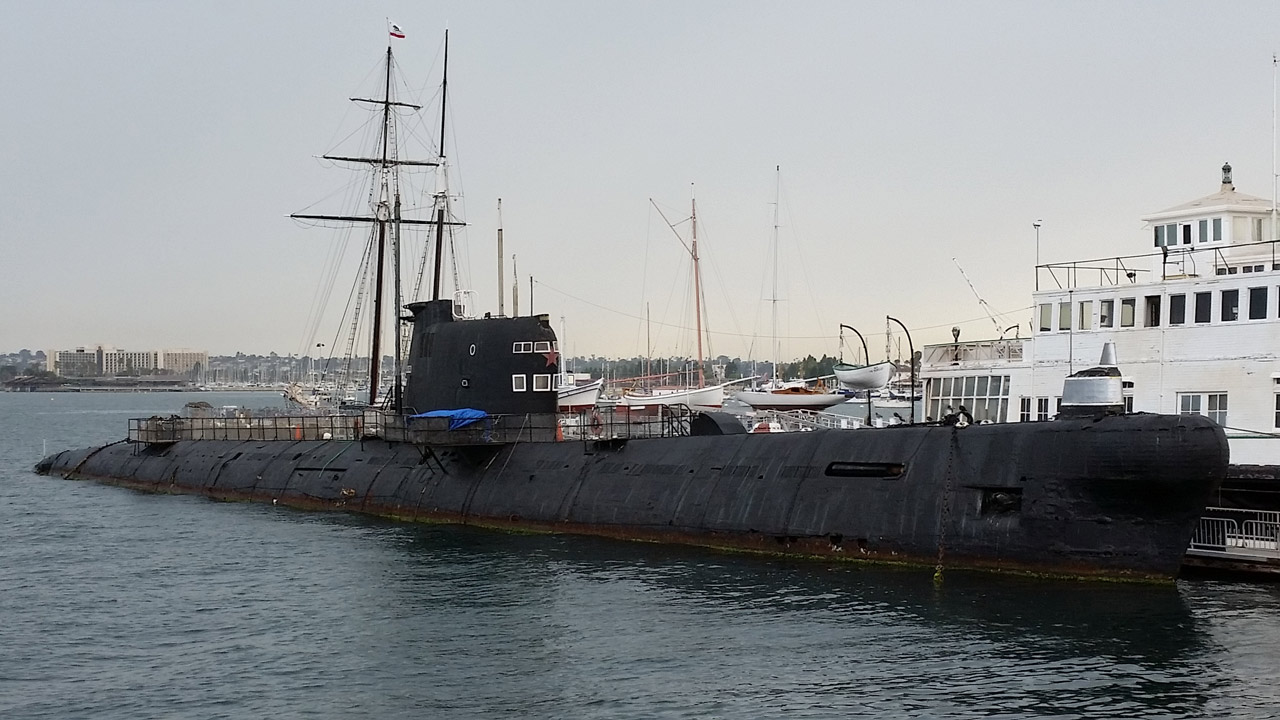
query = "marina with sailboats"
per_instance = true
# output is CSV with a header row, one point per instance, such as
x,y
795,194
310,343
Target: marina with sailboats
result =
x,y
511,467
470,431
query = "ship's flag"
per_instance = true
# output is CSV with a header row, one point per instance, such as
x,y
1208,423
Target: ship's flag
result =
x,y
396,32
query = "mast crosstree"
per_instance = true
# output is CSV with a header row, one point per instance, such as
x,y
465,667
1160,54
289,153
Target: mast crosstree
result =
x,y
386,222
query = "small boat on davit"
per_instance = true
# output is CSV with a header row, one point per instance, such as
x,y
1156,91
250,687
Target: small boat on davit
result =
x,y
864,377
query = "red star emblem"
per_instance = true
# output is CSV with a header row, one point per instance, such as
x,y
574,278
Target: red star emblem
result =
x,y
551,357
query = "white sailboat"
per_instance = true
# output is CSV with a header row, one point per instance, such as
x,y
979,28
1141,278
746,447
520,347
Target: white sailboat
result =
x,y
777,395
703,397
790,398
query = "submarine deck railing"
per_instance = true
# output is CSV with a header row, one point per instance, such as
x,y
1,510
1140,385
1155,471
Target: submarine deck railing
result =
x,y
806,420
598,424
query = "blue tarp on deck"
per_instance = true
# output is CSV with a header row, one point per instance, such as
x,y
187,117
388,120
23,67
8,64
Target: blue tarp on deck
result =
x,y
457,418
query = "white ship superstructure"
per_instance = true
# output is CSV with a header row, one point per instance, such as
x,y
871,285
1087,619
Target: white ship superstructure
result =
x,y
1196,328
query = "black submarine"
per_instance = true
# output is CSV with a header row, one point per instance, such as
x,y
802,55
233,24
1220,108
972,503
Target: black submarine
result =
x,y
1095,492
474,437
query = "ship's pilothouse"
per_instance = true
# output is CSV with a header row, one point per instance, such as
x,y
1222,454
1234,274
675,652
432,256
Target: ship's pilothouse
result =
x,y
1196,322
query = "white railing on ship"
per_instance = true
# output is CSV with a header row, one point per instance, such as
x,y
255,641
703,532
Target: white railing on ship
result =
x,y
1176,261
993,351
805,419
1241,531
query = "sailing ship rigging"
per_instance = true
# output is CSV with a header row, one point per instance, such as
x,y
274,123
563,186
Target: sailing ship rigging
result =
x,y
778,394
695,393
386,221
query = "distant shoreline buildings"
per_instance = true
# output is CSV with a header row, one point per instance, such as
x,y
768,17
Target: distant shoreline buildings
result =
x,y
106,361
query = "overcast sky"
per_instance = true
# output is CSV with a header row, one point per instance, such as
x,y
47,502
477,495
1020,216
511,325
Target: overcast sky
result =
x,y
152,152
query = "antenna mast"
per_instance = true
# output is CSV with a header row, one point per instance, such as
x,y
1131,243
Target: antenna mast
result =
x,y
777,344
648,343
697,287
375,355
515,288
397,396
501,289
444,98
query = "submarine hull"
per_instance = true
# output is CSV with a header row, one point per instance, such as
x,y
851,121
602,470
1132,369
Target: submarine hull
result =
x,y
1116,496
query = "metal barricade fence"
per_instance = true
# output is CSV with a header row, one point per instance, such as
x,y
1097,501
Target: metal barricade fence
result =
x,y
1237,530
1260,534
1212,533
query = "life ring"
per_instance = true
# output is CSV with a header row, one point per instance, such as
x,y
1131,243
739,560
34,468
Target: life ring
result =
x,y
597,422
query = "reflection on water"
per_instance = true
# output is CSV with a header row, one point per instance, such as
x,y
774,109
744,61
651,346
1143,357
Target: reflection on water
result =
x,y
124,604
817,636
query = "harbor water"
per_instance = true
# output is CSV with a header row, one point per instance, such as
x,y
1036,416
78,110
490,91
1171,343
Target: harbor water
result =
x,y
120,604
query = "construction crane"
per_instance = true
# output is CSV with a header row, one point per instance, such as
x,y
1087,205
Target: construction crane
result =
x,y
985,306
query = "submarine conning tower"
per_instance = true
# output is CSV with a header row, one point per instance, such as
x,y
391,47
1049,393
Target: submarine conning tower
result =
x,y
1096,391
503,366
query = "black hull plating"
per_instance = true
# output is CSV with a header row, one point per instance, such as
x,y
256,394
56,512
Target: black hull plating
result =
x,y
1113,497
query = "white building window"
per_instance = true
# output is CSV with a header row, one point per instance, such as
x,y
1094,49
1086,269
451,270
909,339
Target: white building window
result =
x,y
541,383
542,346
1258,303
518,383
1153,311
1230,305
1106,313
1086,315
1127,308
1189,403
985,397
1218,408
1046,317
1064,316
1177,309
1204,307
1212,405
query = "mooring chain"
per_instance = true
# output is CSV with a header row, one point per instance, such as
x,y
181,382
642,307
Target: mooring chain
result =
x,y
946,503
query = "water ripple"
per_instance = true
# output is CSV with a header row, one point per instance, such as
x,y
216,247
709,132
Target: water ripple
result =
x,y
120,604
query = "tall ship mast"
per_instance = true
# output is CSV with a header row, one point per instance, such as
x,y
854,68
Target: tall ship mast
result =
x,y
480,441
385,221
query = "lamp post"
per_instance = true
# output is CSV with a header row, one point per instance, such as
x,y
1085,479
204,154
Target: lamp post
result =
x,y
866,357
1036,225
911,348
